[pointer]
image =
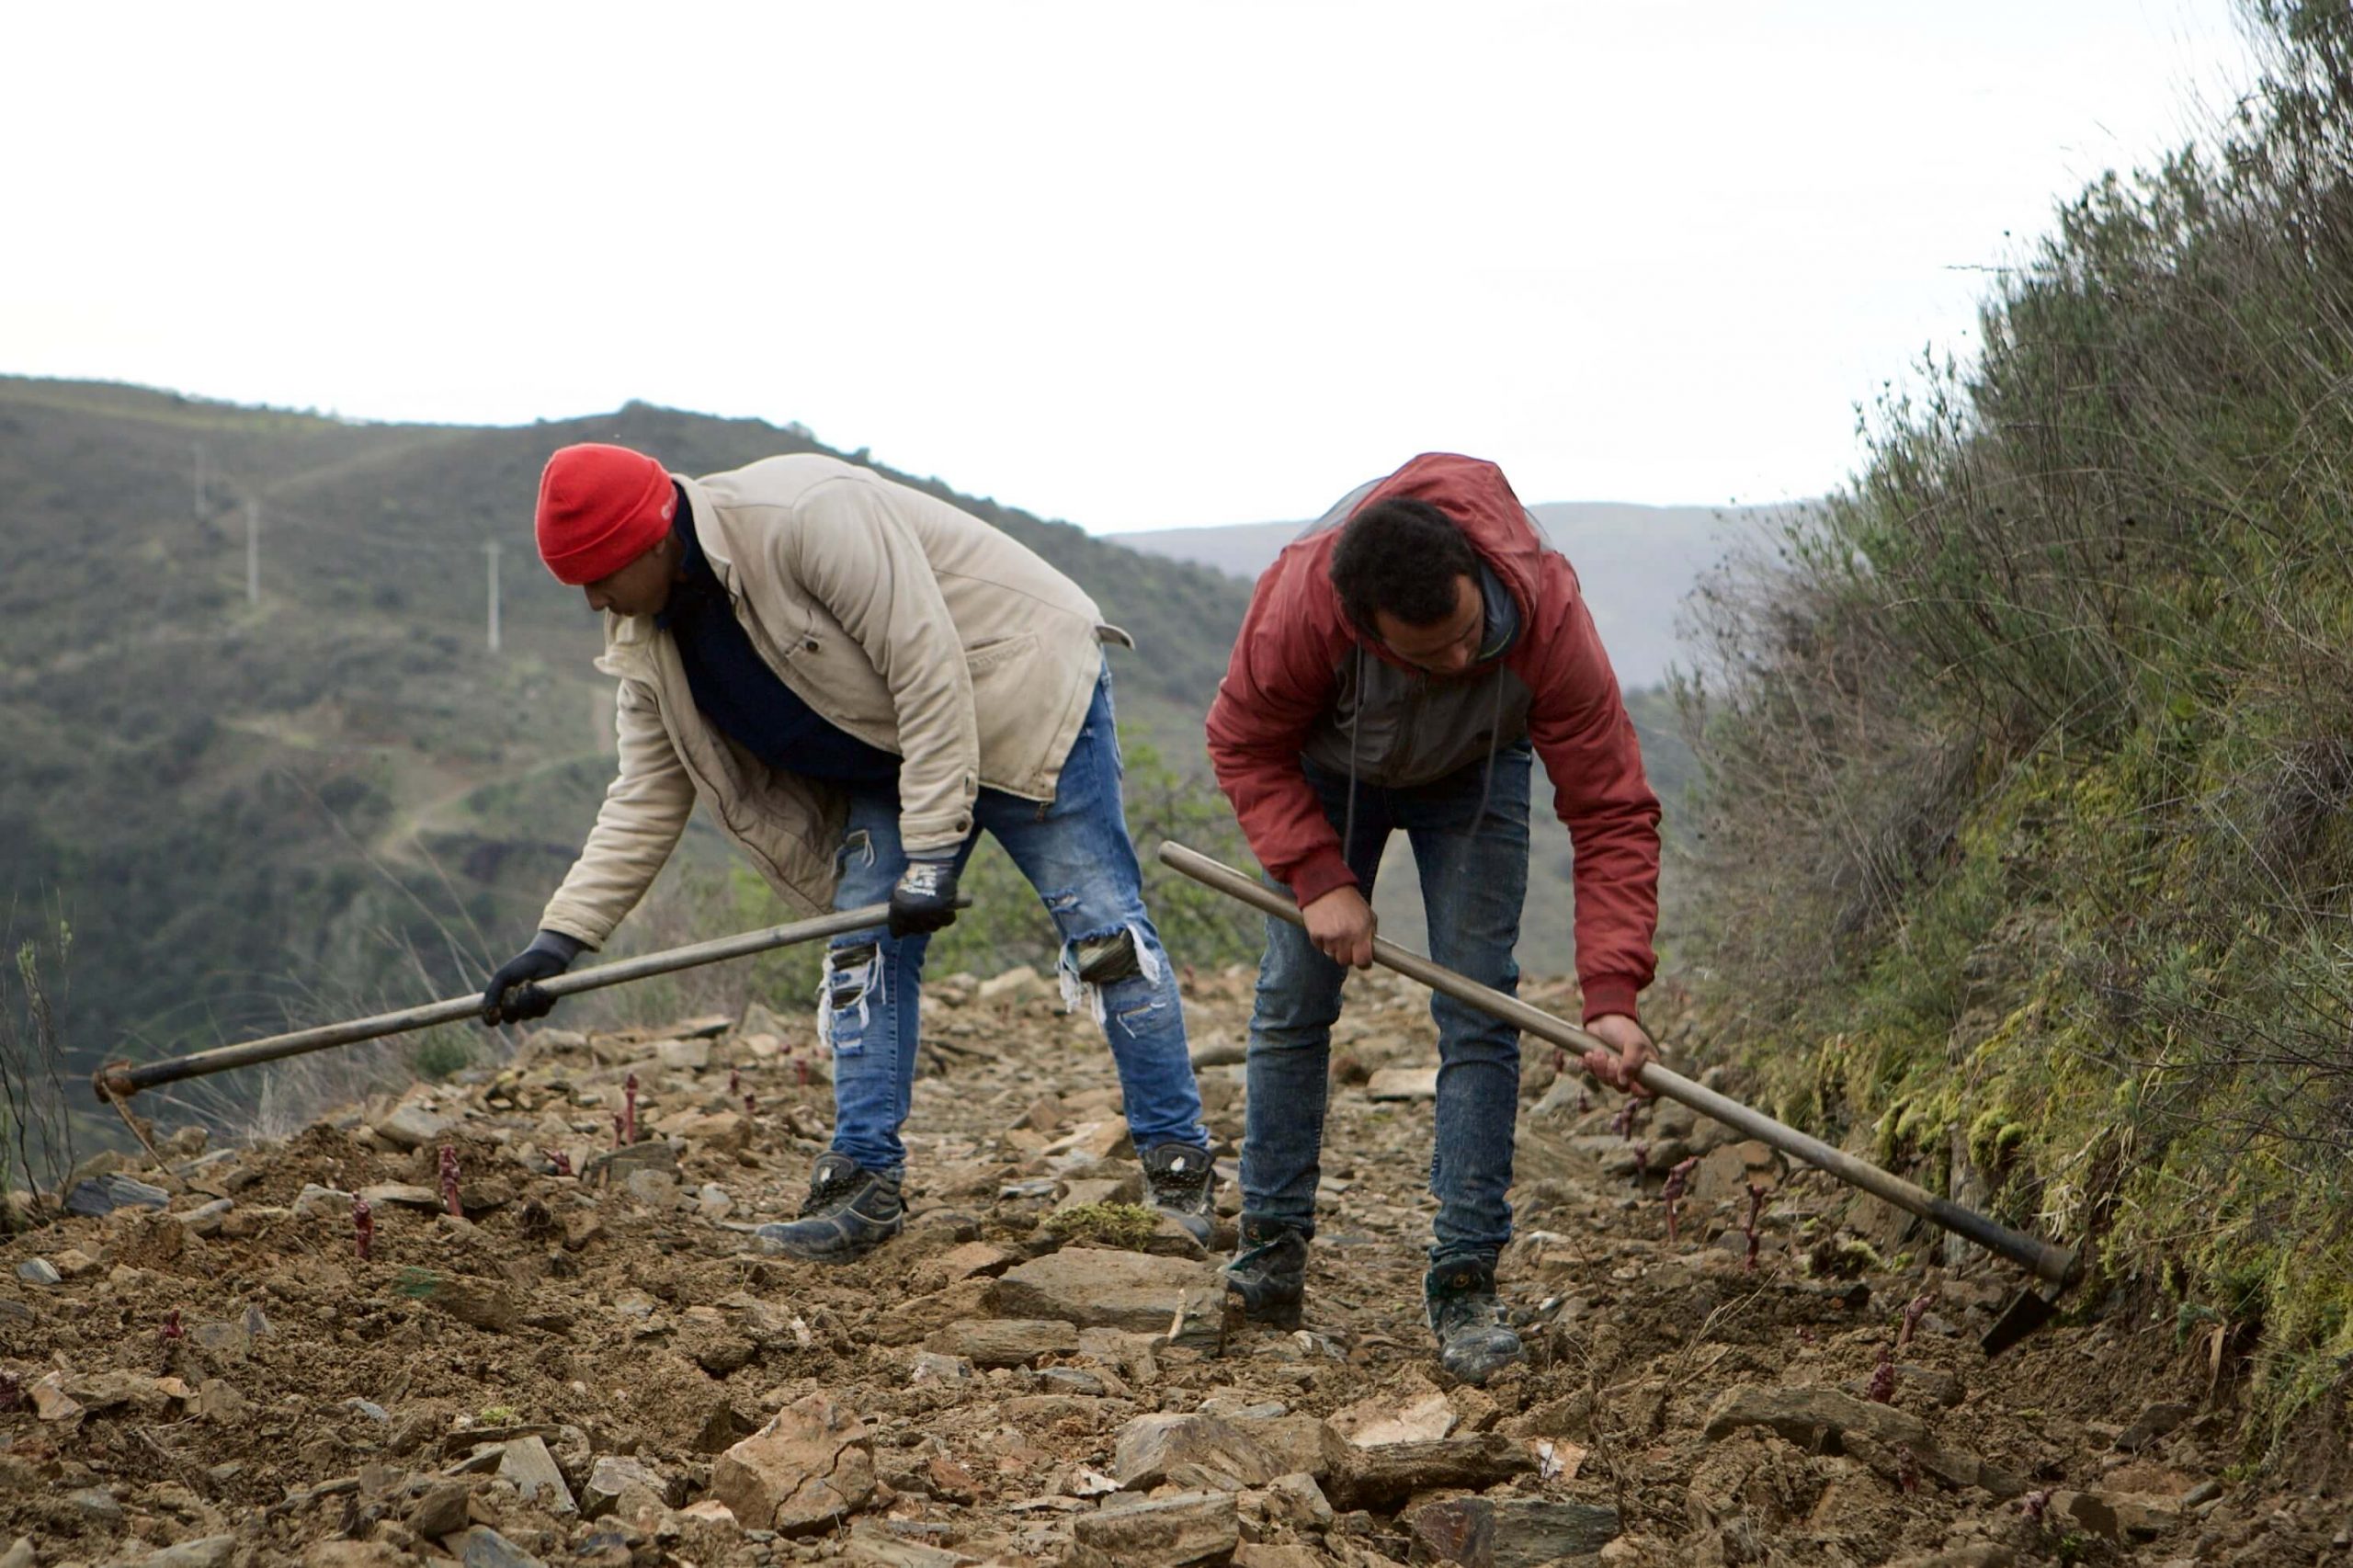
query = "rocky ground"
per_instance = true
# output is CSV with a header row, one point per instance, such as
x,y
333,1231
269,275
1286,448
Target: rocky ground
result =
x,y
593,1364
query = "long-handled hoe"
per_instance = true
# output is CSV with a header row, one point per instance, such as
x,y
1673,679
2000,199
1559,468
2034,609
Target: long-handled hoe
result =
x,y
2060,1266
117,1081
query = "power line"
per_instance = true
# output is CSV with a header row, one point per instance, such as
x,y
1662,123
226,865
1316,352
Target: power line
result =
x,y
490,549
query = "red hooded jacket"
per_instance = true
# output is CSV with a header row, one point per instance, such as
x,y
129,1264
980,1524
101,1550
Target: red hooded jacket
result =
x,y
1285,675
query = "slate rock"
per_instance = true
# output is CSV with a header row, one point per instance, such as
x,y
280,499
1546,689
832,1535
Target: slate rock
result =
x,y
1149,1447
105,1194
1097,1288
811,1465
613,1474
532,1468
481,1303
441,1510
1402,1083
413,1126
39,1271
1165,1532
1005,1342
203,1551
316,1199
483,1546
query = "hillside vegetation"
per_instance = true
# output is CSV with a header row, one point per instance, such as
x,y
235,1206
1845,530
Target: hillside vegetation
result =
x,y
2029,755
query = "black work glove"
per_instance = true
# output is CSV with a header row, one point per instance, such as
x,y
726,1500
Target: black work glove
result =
x,y
549,954
924,899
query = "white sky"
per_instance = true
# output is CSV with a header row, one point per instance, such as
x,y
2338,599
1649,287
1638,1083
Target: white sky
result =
x,y
1130,265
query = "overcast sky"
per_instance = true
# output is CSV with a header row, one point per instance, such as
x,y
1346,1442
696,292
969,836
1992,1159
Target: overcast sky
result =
x,y
1132,265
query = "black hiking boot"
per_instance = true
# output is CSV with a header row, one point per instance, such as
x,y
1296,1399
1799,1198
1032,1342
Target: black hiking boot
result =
x,y
850,1211
1472,1341
1268,1273
1179,1182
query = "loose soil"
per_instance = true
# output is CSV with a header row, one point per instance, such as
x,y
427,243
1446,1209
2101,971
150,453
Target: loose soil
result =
x,y
228,1380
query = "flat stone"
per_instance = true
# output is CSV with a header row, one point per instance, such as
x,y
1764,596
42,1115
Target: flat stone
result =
x,y
657,1189
964,1261
1459,1529
1005,1342
206,1219
934,1369
614,1474
203,1551
404,1195
1371,1423
441,1510
316,1199
105,1194
614,1166
1221,1455
533,1471
810,1466
1096,1288
1809,1415
1019,984
1726,1172
96,1504
483,1546
1218,1048
2155,1421
481,1303
1533,1530
413,1126
1402,1083
683,1055
872,1545
39,1271
1166,1533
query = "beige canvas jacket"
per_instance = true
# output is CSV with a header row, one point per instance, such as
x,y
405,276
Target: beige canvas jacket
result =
x,y
900,619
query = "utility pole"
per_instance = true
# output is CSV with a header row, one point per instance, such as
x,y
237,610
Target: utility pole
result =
x,y
253,552
200,479
490,550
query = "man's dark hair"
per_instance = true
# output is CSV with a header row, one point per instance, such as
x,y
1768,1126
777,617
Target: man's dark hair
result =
x,y
1402,556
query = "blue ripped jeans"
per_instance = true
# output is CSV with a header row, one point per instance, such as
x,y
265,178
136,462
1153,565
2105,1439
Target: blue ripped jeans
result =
x,y
1075,851
1474,879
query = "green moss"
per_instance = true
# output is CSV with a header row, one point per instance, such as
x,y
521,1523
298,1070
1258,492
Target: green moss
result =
x,y
1128,1225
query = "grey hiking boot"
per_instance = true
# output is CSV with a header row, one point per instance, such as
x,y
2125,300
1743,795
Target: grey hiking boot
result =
x,y
1178,1181
1268,1273
1472,1341
850,1211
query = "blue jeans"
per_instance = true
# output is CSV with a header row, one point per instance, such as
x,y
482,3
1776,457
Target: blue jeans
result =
x,y
1075,851
1474,878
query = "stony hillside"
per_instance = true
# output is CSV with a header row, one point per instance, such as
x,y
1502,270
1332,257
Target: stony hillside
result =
x,y
591,1363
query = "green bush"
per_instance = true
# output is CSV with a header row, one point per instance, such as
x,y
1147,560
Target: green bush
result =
x,y
2027,758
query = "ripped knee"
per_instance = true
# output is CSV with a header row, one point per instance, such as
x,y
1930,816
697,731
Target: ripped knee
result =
x,y
846,995
1117,956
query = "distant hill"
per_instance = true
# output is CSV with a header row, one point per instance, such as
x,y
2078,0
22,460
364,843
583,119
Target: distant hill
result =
x,y
335,794
1636,563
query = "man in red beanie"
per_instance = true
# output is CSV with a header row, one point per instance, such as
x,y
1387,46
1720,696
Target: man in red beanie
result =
x,y
1401,666
858,678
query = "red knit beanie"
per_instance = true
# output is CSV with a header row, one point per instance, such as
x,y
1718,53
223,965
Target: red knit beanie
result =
x,y
600,508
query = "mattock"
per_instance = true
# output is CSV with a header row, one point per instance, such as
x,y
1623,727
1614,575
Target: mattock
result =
x,y
2057,1265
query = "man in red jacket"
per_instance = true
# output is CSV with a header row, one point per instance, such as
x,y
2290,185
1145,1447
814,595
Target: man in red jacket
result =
x,y
1401,666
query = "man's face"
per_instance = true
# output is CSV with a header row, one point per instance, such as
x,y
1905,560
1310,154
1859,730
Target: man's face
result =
x,y
642,588
1445,647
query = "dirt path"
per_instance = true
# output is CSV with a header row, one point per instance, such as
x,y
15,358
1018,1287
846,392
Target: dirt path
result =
x,y
601,1370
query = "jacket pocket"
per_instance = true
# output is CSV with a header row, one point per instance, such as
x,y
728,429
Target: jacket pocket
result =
x,y
1012,688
